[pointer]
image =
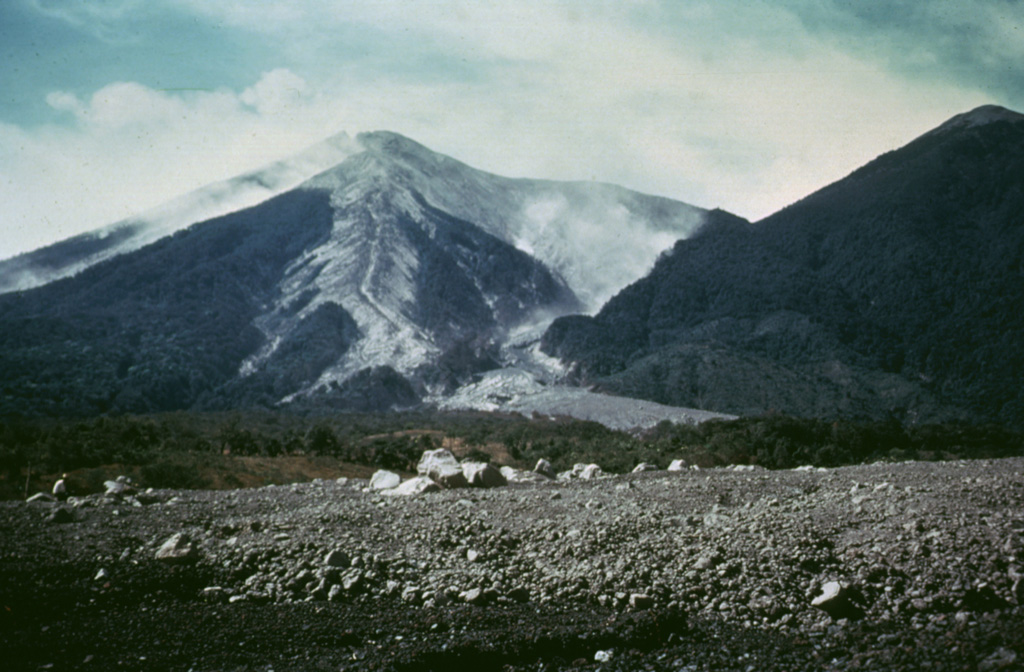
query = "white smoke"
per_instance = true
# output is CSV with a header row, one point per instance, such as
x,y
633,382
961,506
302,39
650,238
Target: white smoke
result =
x,y
598,242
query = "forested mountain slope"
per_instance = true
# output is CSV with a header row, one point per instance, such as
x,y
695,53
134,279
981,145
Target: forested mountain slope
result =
x,y
896,291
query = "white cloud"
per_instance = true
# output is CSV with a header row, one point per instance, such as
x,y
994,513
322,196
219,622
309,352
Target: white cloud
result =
x,y
723,104
277,92
130,148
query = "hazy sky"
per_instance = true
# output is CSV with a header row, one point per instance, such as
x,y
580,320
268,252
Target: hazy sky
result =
x,y
108,107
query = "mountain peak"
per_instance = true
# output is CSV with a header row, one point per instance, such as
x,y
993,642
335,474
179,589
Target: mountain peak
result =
x,y
980,116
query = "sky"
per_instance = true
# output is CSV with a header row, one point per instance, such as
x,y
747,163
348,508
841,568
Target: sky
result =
x,y
110,107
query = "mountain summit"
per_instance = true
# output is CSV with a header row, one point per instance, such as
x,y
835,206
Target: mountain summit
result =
x,y
892,293
392,273
980,116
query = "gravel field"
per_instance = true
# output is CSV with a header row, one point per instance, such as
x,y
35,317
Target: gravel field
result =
x,y
886,566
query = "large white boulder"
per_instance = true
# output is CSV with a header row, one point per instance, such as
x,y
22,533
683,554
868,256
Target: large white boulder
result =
x,y
513,475
483,475
414,486
678,465
576,472
590,472
384,480
441,467
544,468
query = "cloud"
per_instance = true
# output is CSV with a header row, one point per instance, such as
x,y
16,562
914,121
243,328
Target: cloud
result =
x,y
130,147
977,44
745,106
276,92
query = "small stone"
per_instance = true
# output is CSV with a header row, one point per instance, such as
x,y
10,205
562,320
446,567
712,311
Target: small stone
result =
x,y
644,466
337,558
177,549
837,601
212,594
603,657
478,596
640,601
352,582
411,595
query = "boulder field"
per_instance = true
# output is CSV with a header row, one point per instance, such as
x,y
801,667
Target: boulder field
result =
x,y
884,566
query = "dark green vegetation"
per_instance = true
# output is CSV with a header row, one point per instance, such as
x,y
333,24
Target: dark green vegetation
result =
x,y
171,450
158,330
893,293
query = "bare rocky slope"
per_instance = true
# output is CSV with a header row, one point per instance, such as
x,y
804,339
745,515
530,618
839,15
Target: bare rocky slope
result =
x,y
722,569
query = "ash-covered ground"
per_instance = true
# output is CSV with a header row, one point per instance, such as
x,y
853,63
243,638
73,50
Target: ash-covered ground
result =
x,y
889,567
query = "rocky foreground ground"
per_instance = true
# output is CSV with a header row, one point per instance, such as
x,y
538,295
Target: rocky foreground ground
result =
x,y
908,566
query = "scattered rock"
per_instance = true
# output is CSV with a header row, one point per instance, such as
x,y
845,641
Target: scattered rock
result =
x,y
384,480
544,468
644,466
640,601
1001,659
441,467
678,465
483,475
479,596
122,485
177,549
411,594
742,552
419,485
513,475
838,601
212,594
